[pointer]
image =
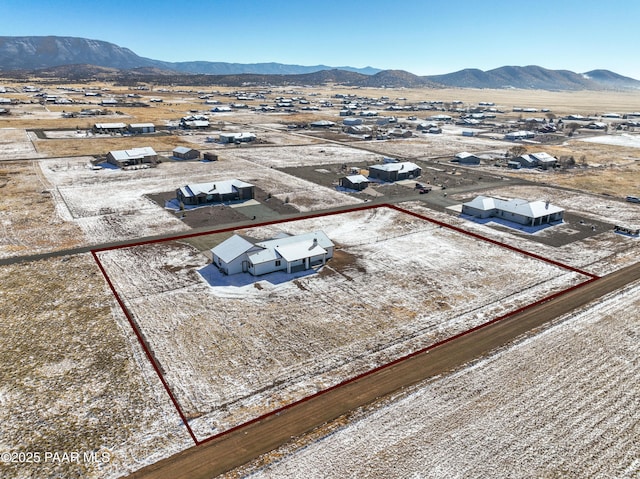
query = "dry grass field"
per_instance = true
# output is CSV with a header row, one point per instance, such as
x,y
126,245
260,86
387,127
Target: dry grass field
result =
x,y
73,379
27,209
561,404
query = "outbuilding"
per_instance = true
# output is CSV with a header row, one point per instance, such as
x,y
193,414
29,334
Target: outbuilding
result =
x,y
185,153
355,182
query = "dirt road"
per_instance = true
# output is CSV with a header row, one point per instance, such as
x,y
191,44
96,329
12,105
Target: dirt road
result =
x,y
245,443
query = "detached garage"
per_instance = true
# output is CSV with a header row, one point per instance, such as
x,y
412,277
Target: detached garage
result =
x,y
184,153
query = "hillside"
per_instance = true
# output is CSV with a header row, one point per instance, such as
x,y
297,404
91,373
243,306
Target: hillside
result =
x,y
80,58
528,77
33,52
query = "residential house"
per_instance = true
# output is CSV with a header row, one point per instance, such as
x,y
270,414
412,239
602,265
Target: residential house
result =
x,y
288,253
215,192
529,213
519,135
109,128
536,160
395,171
134,156
142,128
465,158
237,137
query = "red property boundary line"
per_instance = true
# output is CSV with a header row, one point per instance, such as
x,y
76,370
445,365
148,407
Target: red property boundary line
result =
x,y
158,370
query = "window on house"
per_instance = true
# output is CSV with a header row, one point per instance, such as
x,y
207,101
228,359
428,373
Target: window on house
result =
x,y
278,262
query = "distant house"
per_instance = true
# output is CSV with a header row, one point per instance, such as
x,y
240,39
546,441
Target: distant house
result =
x,y
352,121
142,128
283,253
359,130
355,182
134,156
322,124
237,137
215,192
519,135
109,128
395,171
109,102
399,133
529,213
465,158
185,153
533,160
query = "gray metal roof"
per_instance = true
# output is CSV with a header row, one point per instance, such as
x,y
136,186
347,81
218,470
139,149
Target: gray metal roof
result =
x,y
231,248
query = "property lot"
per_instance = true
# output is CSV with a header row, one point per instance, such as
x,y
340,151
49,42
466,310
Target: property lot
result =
x,y
233,348
112,204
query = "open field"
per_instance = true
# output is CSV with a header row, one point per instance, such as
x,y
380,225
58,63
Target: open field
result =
x,y
561,403
365,313
73,378
26,209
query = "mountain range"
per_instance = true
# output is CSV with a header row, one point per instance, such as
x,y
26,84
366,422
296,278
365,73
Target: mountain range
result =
x,y
81,58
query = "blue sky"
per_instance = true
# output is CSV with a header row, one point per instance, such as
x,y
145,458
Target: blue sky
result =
x,y
424,37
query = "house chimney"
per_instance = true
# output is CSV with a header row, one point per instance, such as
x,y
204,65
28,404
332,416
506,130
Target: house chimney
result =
x,y
546,205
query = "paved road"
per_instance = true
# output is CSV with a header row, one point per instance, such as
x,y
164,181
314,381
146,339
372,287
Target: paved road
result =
x,y
244,444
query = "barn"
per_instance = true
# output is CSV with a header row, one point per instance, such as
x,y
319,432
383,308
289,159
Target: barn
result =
x,y
290,253
395,171
215,192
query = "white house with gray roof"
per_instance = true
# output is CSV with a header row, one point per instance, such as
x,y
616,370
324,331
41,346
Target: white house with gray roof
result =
x,y
529,213
288,253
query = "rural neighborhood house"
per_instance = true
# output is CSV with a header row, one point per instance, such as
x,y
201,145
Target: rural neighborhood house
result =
x,y
215,192
134,156
239,254
534,213
395,171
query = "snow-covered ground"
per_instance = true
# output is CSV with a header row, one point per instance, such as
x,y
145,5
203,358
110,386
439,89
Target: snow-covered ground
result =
x,y
396,284
74,377
563,403
303,155
16,144
625,139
